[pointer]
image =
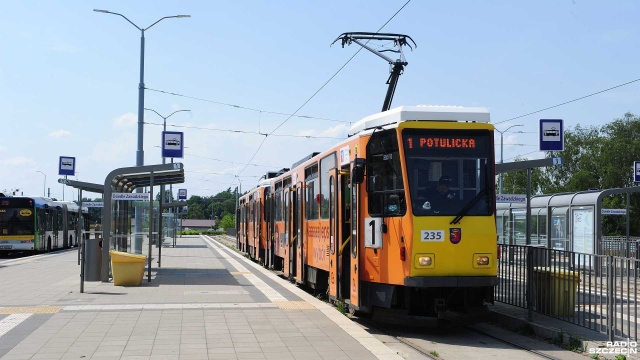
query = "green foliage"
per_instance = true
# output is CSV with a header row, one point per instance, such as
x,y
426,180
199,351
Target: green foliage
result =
x,y
212,207
228,222
204,232
599,157
341,308
575,344
621,357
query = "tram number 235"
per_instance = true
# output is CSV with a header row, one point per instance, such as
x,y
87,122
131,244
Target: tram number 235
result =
x,y
432,235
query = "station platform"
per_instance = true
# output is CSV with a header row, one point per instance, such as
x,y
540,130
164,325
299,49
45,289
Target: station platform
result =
x,y
206,302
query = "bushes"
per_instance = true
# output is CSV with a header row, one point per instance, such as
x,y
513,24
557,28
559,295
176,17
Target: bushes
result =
x,y
204,232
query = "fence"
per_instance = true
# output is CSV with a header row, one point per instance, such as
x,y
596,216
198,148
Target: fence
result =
x,y
620,246
598,292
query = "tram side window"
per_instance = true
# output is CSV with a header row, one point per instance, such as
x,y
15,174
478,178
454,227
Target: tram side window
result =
x,y
326,165
278,206
286,207
384,175
311,204
311,179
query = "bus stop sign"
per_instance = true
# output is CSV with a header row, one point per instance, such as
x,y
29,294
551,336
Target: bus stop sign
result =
x,y
551,135
182,194
172,144
67,165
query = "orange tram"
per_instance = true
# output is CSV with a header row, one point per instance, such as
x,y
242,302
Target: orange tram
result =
x,y
366,220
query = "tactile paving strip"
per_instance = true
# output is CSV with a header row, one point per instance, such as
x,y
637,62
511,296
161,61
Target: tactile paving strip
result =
x,y
31,310
294,305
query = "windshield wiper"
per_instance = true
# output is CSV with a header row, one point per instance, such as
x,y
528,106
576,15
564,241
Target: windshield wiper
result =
x,y
470,205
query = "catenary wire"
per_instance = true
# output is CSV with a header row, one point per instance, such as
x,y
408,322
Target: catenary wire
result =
x,y
568,102
244,107
320,89
245,132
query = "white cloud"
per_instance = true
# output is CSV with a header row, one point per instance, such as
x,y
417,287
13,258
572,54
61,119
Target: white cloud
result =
x,y
125,121
64,48
60,133
113,151
338,131
17,161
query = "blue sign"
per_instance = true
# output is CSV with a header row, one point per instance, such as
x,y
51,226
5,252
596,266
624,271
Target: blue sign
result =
x,y
172,144
67,165
551,135
636,171
182,194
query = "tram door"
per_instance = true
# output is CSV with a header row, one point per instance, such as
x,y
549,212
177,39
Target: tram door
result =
x,y
268,234
300,235
354,274
334,217
286,268
344,232
293,242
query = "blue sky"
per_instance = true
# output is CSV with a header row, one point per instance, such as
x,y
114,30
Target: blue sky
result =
x,y
69,78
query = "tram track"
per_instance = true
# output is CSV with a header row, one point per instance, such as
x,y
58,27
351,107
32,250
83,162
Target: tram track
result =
x,y
442,344
414,343
510,342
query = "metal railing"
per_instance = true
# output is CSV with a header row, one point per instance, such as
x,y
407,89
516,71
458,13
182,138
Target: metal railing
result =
x,y
620,246
599,292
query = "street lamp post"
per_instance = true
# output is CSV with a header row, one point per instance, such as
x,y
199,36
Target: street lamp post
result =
x,y
164,128
501,176
238,192
44,186
140,152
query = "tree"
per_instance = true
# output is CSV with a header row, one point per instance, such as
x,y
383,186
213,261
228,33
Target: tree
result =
x,y
599,157
515,182
581,158
228,222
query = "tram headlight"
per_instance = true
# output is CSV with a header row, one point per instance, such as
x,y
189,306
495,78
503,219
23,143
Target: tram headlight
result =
x,y
425,260
482,260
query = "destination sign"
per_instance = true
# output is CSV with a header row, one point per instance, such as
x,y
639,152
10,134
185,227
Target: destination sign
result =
x,y
440,142
436,141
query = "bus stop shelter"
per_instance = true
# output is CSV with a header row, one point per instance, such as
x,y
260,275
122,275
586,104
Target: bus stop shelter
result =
x,y
564,221
126,180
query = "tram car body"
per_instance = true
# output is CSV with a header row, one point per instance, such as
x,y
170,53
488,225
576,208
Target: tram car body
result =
x,y
362,221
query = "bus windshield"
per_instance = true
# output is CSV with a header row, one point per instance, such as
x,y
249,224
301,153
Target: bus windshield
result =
x,y
16,217
449,172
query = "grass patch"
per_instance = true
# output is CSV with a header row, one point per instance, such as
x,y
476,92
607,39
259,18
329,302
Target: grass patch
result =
x,y
434,353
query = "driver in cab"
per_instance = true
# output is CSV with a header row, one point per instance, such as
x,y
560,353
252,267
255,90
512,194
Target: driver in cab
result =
x,y
436,198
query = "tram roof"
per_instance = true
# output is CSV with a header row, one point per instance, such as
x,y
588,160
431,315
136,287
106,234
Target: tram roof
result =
x,y
421,113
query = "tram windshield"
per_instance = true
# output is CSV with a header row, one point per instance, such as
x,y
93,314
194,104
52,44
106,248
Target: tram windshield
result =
x,y
449,172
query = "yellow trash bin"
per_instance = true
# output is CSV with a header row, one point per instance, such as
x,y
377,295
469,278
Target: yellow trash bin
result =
x,y
556,290
127,269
